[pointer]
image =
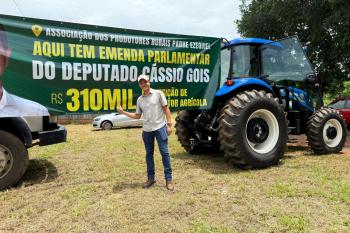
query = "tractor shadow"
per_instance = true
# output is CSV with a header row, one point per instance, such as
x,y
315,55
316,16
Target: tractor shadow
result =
x,y
297,148
214,163
297,143
39,171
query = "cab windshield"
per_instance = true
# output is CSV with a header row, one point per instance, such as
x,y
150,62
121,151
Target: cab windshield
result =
x,y
284,60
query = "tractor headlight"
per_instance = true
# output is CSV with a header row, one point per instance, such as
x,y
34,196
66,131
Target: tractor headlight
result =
x,y
229,82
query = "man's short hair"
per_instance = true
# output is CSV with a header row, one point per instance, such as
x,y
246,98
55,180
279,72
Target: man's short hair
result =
x,y
3,37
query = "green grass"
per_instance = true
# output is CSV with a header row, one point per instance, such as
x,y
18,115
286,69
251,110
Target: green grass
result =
x,y
92,183
295,223
282,189
200,227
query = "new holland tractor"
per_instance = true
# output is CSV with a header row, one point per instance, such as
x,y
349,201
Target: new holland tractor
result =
x,y
262,98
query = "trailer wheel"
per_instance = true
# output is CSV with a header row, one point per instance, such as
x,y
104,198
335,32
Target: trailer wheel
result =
x,y
253,130
326,131
13,159
184,130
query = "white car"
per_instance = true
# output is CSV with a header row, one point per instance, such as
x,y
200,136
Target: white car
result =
x,y
108,121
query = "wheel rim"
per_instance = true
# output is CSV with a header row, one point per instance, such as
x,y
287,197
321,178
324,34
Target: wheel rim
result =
x,y
6,160
262,131
107,125
332,133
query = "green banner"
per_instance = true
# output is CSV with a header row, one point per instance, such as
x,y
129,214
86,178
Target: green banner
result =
x,y
76,68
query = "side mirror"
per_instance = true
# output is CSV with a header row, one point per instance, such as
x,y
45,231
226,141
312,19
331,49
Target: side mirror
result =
x,y
311,78
305,49
224,41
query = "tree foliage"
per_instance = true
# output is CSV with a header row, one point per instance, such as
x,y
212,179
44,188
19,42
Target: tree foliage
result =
x,y
322,25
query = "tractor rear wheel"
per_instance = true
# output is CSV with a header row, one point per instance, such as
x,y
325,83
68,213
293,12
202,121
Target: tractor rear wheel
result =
x,y
326,131
253,130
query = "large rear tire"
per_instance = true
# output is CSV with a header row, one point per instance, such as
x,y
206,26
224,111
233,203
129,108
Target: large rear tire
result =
x,y
13,159
326,131
253,130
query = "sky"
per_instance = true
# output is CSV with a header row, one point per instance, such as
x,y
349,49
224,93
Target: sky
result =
x,y
196,17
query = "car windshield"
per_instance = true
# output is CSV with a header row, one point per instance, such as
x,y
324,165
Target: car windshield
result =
x,y
338,104
284,60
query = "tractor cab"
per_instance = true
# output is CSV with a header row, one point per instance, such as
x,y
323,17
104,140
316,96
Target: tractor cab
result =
x,y
275,61
240,59
274,66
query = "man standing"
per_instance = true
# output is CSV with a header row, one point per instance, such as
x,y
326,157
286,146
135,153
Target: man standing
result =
x,y
153,105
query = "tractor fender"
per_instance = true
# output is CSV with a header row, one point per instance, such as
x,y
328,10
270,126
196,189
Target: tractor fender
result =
x,y
242,84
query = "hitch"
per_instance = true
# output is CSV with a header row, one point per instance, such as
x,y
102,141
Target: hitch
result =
x,y
214,121
193,142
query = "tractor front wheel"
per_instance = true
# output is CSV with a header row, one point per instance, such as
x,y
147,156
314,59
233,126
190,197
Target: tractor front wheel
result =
x,y
326,131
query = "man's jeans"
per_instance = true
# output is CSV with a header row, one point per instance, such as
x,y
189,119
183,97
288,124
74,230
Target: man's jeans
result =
x,y
162,140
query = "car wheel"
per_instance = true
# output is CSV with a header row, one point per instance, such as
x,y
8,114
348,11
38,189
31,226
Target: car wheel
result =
x,y
106,125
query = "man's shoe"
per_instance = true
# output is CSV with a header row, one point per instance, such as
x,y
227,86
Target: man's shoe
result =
x,y
148,184
169,185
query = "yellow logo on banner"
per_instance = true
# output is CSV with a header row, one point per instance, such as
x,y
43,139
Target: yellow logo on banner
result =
x,y
37,30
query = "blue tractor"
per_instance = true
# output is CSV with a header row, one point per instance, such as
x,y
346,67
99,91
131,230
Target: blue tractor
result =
x,y
262,98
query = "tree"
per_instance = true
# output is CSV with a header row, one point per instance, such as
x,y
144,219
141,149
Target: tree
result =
x,y
322,25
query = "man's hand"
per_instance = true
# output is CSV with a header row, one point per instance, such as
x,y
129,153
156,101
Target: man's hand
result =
x,y
120,109
128,114
169,130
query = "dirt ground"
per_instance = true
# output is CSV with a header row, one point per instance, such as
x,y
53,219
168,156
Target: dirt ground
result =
x,y
296,141
92,183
